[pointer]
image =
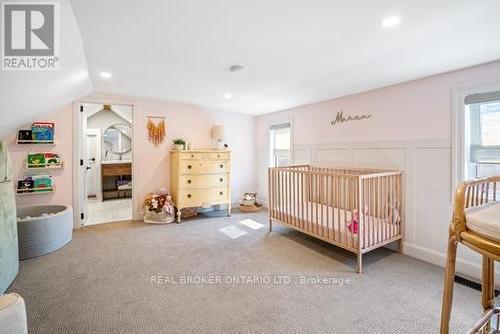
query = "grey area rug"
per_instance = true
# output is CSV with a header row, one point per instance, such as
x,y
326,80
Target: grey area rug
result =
x,y
101,282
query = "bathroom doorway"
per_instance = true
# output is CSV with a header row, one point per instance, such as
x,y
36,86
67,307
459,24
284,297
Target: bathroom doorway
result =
x,y
106,143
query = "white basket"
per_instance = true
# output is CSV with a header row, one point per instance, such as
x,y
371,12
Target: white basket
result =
x,y
151,217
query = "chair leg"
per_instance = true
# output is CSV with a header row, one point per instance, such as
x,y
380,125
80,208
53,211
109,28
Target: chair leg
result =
x,y
449,280
488,284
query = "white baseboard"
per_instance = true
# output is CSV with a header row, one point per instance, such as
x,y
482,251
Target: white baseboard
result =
x,y
463,267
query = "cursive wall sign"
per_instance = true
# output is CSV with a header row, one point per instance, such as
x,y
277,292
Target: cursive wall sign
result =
x,y
341,118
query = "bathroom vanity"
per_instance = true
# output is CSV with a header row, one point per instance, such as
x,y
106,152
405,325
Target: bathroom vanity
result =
x,y
116,179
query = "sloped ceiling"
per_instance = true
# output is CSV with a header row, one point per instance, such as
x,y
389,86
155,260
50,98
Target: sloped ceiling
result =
x,y
295,51
24,96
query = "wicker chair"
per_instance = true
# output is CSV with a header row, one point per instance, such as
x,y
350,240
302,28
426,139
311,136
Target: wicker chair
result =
x,y
475,224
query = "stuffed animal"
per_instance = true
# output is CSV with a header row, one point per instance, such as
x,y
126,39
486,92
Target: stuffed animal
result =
x,y
353,225
169,205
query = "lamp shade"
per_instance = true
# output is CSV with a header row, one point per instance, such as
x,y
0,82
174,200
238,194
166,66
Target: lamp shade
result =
x,y
218,132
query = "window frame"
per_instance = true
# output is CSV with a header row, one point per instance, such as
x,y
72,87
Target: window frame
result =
x,y
458,140
270,147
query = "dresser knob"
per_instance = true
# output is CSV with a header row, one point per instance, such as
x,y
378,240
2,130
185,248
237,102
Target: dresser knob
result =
x,y
221,166
221,179
218,155
192,155
189,166
221,193
189,196
189,181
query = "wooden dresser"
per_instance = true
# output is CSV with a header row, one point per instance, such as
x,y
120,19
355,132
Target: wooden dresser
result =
x,y
200,178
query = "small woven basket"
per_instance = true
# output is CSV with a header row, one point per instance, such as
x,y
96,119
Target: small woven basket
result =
x,y
250,208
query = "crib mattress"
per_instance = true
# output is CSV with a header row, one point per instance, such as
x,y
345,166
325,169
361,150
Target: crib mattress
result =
x,y
332,223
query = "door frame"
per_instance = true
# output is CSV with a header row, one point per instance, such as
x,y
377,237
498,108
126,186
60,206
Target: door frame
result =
x,y
97,133
79,170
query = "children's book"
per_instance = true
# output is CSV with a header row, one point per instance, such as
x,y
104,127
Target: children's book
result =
x,y
36,160
52,159
26,185
43,131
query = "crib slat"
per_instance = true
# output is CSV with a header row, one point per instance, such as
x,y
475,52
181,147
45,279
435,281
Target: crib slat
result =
x,y
294,197
316,184
338,207
270,186
352,208
306,202
321,207
379,209
349,236
372,212
385,207
290,198
302,193
392,201
331,231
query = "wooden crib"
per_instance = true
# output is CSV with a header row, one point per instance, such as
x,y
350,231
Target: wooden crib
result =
x,y
324,201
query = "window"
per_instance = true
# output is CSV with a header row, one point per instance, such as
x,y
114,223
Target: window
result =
x,y
280,145
482,135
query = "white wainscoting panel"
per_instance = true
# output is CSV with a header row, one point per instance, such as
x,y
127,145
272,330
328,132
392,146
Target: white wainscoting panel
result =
x,y
332,157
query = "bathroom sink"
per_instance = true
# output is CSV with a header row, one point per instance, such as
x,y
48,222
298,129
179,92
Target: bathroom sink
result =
x,y
104,162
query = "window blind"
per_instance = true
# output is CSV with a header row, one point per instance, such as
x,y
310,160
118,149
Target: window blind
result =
x,y
281,126
482,97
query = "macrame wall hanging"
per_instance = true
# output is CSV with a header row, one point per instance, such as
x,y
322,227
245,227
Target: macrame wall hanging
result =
x,y
157,129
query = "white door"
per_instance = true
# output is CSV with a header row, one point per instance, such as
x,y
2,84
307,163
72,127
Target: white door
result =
x,y
93,163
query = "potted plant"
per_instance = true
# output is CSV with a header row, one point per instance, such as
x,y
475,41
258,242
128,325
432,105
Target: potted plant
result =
x,y
179,144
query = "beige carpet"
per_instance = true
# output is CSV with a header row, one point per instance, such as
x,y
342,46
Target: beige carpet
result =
x,y
101,283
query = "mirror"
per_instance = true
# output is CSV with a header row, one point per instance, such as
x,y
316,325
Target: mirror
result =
x,y
118,138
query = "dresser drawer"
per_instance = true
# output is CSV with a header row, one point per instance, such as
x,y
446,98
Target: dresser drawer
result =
x,y
204,156
204,181
203,167
204,197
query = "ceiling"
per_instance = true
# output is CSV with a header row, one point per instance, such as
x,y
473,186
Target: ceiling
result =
x,y
25,96
294,52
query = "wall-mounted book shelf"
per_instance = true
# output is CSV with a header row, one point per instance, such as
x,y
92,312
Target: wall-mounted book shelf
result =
x,y
41,134
35,142
35,191
43,167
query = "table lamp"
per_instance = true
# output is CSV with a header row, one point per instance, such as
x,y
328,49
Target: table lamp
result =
x,y
218,134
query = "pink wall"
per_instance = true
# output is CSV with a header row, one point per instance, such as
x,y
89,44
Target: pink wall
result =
x,y
152,163
194,124
419,109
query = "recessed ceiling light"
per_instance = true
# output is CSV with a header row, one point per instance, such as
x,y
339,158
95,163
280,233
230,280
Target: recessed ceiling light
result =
x,y
228,96
105,75
391,21
236,68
